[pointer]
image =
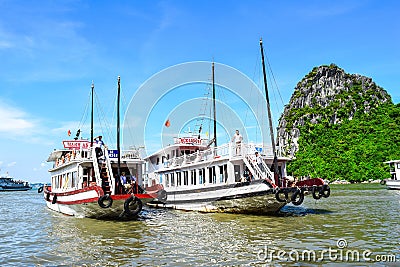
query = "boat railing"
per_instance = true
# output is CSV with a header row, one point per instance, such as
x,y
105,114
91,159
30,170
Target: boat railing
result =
x,y
130,154
227,150
109,168
96,166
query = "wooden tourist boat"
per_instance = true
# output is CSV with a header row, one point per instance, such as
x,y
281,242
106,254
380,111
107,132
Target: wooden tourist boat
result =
x,y
228,178
85,179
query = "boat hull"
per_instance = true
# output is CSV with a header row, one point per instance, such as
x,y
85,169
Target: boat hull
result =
x,y
4,188
85,203
393,184
257,197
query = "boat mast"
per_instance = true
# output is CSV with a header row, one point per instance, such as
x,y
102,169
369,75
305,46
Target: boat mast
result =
x,y
118,141
91,119
275,163
214,108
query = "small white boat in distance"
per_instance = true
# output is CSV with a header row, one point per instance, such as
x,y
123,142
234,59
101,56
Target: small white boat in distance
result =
x,y
394,181
7,183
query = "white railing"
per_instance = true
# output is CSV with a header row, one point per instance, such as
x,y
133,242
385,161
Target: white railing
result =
x,y
96,166
262,172
109,170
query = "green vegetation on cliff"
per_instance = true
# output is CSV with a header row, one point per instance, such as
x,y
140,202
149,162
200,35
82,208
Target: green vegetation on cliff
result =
x,y
353,150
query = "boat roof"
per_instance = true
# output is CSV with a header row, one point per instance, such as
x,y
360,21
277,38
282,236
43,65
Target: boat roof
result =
x,y
393,161
56,154
181,142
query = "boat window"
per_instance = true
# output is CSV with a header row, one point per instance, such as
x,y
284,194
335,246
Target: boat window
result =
x,y
185,178
74,180
398,165
187,152
158,160
193,177
172,179
221,174
211,175
166,180
167,156
178,179
173,153
236,169
226,172
201,176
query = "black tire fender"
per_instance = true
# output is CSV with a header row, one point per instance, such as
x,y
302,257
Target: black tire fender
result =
x,y
383,182
162,196
297,197
54,201
316,192
278,197
105,201
326,191
40,189
127,206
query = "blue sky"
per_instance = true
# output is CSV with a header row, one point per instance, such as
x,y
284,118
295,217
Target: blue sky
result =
x,y
50,51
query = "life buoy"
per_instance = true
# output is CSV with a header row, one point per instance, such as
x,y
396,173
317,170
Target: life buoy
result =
x,y
40,189
383,182
316,193
326,191
105,201
135,203
299,193
54,201
278,195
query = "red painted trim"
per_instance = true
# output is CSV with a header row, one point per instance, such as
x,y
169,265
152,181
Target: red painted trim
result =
x,y
98,189
310,182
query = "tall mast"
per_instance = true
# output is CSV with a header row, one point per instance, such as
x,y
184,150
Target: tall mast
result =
x,y
91,119
118,141
271,129
214,109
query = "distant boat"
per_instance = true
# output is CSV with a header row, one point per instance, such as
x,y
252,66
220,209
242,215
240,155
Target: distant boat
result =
x,y
394,181
235,177
7,183
85,180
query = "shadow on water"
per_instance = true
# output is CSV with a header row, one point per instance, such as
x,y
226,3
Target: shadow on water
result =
x,y
289,210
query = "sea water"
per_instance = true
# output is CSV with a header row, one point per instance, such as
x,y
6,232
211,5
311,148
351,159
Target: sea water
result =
x,y
358,225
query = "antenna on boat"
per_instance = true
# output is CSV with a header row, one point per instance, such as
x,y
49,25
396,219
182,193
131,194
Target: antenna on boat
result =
x,y
275,163
91,118
214,109
118,141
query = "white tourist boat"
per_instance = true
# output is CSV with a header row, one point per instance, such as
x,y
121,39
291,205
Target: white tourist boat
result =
x,y
228,178
85,180
394,181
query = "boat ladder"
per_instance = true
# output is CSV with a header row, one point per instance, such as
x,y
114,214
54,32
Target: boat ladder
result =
x,y
259,172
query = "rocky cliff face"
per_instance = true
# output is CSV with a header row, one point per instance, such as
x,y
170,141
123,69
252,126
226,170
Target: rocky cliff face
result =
x,y
326,95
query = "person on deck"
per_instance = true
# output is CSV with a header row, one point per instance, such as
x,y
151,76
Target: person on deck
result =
x,y
99,146
237,139
123,178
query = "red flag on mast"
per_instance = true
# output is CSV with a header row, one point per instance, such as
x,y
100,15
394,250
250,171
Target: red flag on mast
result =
x,y
69,132
167,123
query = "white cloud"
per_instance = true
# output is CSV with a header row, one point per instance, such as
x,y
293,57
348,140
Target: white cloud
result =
x,y
11,164
14,121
